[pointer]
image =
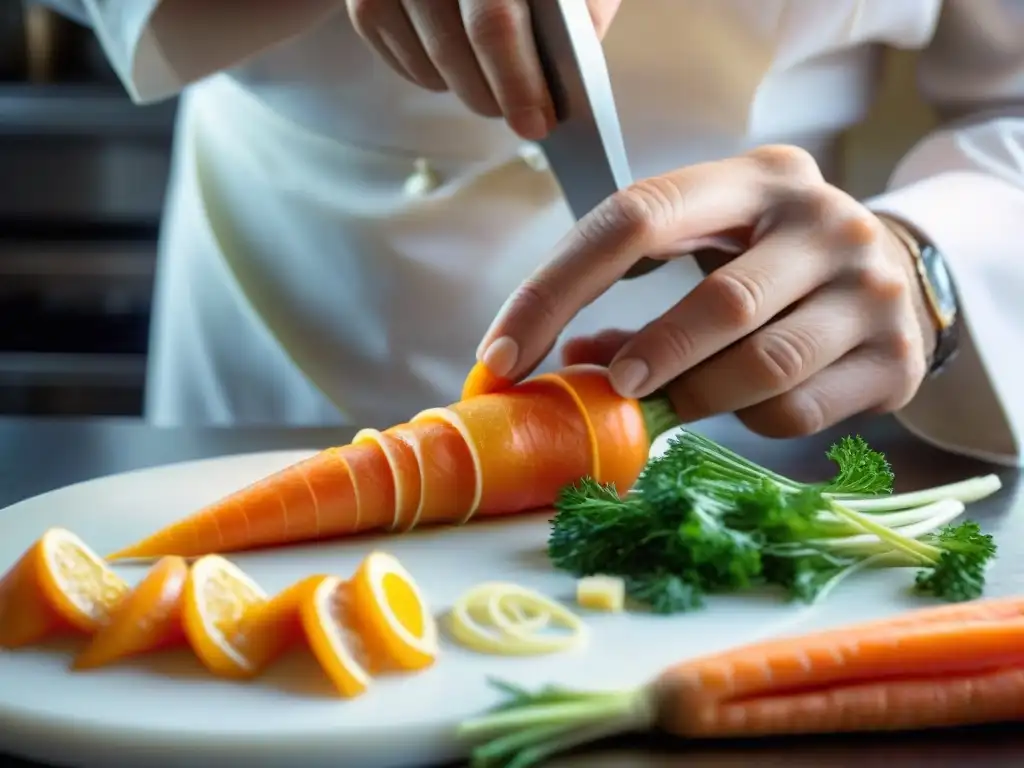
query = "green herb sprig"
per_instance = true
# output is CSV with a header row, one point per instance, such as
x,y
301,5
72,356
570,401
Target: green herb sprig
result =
x,y
702,520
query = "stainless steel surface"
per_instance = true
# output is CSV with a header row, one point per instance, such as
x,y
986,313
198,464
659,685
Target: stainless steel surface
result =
x,y
38,456
586,150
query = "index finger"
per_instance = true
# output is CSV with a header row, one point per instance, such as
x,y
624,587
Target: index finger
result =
x,y
648,217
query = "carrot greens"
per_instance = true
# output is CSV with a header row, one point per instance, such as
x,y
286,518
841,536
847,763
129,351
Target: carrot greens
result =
x,y
702,519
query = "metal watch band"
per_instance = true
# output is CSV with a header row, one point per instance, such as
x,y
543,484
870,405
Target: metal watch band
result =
x,y
939,290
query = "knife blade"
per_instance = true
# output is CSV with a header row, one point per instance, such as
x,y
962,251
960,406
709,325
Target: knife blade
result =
x,y
585,150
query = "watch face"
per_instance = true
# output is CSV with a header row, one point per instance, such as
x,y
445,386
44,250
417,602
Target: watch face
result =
x,y
941,283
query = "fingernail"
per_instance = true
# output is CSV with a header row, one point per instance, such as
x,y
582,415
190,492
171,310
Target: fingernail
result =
x,y
628,375
531,124
501,356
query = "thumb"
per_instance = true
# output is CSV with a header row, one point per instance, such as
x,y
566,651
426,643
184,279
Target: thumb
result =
x,y
602,12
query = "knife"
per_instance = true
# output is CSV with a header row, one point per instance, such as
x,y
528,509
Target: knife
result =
x,y
585,149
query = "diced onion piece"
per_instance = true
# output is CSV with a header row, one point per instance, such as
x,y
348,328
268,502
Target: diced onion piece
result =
x,y
601,593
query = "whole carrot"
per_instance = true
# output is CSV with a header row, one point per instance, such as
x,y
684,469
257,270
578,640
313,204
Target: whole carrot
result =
x,y
491,454
955,665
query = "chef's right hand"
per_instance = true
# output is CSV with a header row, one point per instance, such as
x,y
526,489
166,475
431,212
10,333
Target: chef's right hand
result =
x,y
481,50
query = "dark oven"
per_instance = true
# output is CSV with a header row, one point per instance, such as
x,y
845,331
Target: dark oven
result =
x,y
83,173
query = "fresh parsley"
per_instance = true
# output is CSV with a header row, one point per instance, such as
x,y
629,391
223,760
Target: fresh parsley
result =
x,y
702,519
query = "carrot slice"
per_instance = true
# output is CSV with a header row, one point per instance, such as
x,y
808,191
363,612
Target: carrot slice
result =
x,y
59,582
534,431
374,485
480,381
446,469
405,473
616,426
26,615
147,619
391,615
217,597
328,627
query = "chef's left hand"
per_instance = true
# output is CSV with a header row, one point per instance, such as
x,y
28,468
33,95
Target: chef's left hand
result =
x,y
818,318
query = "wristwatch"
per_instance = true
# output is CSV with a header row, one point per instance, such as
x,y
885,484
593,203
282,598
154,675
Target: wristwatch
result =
x,y
938,288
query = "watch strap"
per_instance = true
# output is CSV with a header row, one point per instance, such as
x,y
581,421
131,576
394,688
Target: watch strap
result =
x,y
938,288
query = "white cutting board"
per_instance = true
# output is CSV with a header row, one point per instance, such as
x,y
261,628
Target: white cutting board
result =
x,y
164,711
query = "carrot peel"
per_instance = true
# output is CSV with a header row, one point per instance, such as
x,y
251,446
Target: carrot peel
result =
x,y
940,667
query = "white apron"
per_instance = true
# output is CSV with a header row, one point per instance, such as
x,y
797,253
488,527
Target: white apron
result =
x,y
303,280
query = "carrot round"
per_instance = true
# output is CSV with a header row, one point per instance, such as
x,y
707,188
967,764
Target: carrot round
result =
x,y
147,619
405,473
26,614
618,431
494,454
447,475
949,666
520,469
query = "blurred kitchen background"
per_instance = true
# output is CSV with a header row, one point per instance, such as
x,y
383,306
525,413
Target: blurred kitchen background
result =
x,y
82,176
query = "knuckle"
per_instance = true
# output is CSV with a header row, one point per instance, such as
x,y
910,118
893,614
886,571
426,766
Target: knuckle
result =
x,y
636,210
495,22
781,357
535,298
734,297
878,280
905,354
860,231
787,161
442,48
675,341
826,207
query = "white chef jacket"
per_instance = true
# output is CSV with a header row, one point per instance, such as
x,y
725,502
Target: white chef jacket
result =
x,y
336,240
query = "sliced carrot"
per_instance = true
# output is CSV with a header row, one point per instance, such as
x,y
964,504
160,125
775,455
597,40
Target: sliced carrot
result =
x,y
446,469
278,509
480,381
616,426
405,473
268,629
374,484
391,615
517,449
328,627
59,582
147,619
218,595
527,444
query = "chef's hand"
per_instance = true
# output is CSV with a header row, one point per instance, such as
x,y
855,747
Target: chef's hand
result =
x,y
818,318
481,50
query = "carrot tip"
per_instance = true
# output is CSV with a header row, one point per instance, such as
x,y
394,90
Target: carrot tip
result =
x,y
481,381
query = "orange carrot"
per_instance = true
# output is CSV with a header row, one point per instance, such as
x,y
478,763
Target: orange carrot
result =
x,y
950,666
489,455
481,381
147,619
